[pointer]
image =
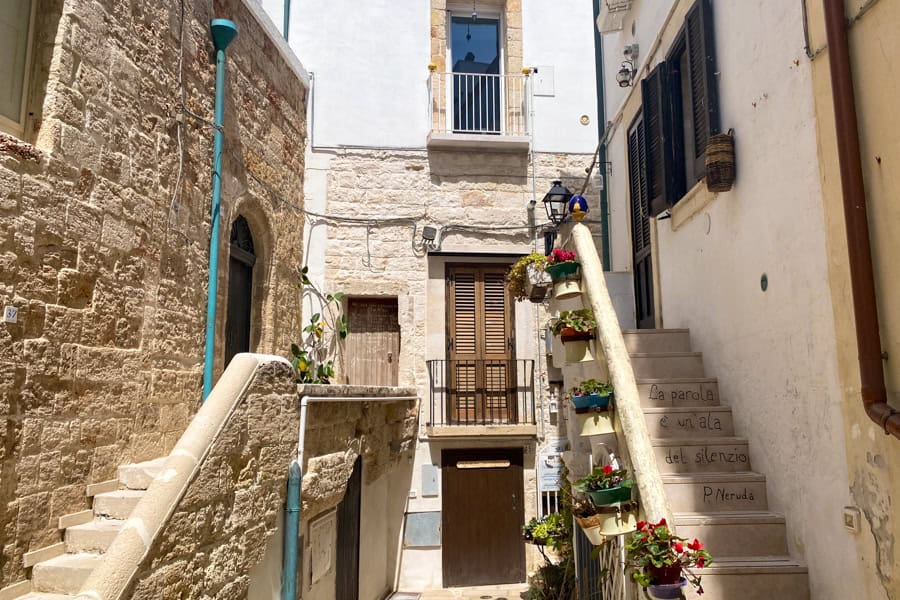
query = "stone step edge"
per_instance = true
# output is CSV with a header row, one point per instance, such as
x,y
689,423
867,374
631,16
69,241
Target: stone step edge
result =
x,y
723,477
78,518
652,331
15,590
661,410
110,485
700,441
665,354
754,566
41,554
658,380
748,517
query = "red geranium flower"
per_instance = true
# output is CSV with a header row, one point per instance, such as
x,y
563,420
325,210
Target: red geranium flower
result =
x,y
679,547
700,562
662,523
641,525
695,545
607,469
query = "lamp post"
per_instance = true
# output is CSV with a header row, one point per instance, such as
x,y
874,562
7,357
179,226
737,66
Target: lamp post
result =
x,y
555,202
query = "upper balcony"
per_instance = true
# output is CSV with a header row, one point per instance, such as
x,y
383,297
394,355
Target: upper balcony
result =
x,y
479,111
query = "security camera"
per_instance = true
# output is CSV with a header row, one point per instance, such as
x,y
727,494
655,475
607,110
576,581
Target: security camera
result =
x,y
631,52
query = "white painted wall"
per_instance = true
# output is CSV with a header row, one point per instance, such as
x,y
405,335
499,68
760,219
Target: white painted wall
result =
x,y
773,351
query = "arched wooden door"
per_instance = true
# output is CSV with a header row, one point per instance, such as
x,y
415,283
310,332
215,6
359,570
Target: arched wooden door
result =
x,y
240,289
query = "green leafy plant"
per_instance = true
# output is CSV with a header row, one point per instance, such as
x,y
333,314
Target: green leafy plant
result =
x,y
517,277
545,530
581,320
592,386
552,582
603,478
653,548
325,329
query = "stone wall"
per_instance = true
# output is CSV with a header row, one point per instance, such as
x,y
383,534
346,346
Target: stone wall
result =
x,y
104,225
220,527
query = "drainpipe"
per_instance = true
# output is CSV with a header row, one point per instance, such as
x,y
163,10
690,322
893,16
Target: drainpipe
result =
x,y
223,32
862,278
601,135
295,490
287,18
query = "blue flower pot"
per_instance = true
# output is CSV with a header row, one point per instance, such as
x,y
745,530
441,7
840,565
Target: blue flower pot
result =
x,y
666,591
591,401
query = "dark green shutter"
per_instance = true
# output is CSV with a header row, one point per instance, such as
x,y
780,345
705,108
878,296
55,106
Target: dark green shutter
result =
x,y
660,162
704,100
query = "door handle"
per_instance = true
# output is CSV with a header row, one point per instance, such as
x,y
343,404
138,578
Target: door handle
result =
x,y
390,357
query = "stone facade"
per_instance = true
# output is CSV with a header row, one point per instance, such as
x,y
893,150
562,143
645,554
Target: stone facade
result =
x,y
104,225
220,527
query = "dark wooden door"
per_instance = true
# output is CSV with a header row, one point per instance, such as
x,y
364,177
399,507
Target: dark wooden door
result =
x,y
483,511
481,345
373,345
240,290
640,226
347,574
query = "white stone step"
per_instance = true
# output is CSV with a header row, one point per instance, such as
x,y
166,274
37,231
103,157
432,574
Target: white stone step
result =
x,y
138,476
777,578
118,504
702,454
715,492
43,596
661,365
95,536
657,340
64,574
15,590
732,534
678,391
686,421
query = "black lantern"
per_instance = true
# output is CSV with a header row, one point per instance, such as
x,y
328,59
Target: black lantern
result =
x,y
555,202
626,74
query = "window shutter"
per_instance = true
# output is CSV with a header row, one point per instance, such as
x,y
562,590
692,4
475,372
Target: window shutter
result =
x,y
15,20
660,163
637,176
463,326
496,313
704,88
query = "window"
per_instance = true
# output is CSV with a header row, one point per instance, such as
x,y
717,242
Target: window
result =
x,y
16,25
475,57
681,111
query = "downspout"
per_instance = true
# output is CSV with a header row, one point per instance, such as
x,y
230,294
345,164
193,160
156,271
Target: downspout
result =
x,y
601,135
862,278
223,32
295,491
287,18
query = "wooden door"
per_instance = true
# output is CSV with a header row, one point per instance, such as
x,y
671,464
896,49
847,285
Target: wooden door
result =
x,y
347,560
373,345
240,290
640,226
481,345
483,511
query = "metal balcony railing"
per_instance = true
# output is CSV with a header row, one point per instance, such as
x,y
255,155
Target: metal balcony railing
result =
x,y
479,103
481,392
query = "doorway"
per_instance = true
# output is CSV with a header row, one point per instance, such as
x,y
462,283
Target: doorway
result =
x,y
372,349
480,346
482,514
347,569
241,259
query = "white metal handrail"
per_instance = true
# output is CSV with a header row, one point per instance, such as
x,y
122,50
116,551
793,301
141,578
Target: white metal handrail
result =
x,y
479,103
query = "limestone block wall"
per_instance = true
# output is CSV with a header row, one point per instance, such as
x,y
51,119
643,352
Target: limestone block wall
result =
x,y
104,225
220,527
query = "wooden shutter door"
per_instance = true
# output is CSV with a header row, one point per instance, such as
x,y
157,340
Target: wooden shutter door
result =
x,y
660,163
704,101
372,349
480,342
640,225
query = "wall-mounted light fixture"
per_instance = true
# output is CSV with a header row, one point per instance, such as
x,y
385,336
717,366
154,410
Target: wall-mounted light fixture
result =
x,y
555,202
626,74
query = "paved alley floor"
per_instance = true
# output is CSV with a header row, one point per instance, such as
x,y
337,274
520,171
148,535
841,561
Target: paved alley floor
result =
x,y
491,592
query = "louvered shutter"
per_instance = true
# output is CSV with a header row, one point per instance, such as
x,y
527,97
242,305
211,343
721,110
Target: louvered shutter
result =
x,y
660,163
497,342
637,175
463,345
704,101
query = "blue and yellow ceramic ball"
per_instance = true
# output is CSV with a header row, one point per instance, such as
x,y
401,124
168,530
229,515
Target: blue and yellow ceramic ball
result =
x,y
578,207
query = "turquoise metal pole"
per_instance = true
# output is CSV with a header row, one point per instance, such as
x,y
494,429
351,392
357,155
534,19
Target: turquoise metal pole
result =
x,y
223,31
291,534
287,18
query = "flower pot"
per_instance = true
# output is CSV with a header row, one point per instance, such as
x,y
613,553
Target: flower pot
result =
x,y
561,270
591,526
595,423
617,520
620,493
537,283
668,575
578,352
565,289
570,334
666,591
591,401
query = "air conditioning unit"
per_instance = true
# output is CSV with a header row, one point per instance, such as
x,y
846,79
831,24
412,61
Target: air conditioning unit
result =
x,y
613,18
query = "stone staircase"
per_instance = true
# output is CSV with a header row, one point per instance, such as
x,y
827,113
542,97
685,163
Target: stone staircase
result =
x,y
713,493
59,571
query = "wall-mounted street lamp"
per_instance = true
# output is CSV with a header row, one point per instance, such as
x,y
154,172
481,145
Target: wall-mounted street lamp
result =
x,y
627,72
555,202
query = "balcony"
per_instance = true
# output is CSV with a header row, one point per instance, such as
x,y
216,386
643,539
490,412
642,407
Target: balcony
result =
x,y
479,111
481,398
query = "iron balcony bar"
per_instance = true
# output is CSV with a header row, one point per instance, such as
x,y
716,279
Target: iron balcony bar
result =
x,y
478,103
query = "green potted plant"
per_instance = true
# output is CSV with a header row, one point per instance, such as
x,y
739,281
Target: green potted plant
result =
x,y
663,561
575,329
591,394
544,531
528,279
606,485
563,267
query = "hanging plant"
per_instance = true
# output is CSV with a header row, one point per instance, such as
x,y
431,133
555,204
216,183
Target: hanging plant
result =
x,y
526,278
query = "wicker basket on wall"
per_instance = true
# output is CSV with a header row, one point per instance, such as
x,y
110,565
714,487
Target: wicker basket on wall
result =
x,y
720,167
